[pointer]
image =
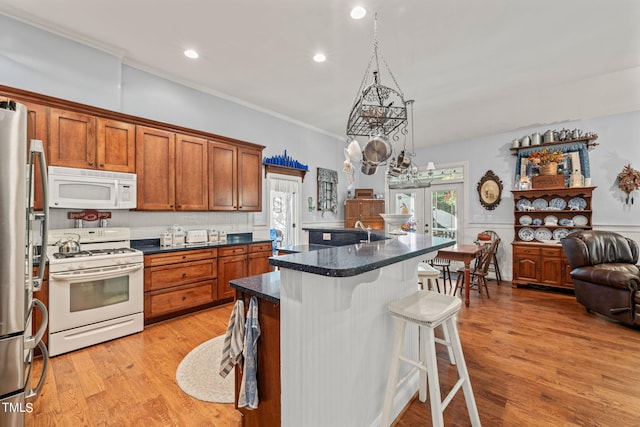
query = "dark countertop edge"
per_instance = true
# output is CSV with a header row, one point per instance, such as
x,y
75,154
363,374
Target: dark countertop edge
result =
x,y
149,249
353,271
294,249
258,286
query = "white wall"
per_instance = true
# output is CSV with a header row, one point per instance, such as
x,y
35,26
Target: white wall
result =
x,y
46,63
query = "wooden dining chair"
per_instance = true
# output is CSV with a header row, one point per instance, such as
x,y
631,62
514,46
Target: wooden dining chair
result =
x,y
495,267
479,272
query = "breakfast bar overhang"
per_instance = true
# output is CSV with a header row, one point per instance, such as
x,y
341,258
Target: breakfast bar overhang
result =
x,y
336,333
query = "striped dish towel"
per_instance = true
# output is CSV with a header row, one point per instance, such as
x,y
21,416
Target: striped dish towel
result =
x,y
233,340
248,397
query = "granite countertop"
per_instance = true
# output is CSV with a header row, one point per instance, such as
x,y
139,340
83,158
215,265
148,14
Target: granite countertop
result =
x,y
338,261
152,246
264,286
351,260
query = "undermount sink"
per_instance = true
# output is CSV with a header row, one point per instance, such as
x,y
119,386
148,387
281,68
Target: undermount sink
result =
x,y
341,237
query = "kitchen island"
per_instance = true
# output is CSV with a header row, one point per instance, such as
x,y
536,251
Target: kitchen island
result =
x,y
335,332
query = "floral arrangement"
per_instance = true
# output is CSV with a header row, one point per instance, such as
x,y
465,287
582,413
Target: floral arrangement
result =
x,y
544,157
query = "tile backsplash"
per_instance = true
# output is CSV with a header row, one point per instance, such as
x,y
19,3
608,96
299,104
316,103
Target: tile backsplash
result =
x,y
145,225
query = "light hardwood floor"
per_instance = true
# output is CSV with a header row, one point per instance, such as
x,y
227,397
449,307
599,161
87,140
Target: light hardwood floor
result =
x,y
535,359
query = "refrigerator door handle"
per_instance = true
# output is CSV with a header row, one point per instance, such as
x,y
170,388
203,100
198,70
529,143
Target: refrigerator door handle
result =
x,y
33,393
32,341
37,149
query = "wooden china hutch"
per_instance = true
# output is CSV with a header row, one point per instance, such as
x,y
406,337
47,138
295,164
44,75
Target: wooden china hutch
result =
x,y
539,260
542,217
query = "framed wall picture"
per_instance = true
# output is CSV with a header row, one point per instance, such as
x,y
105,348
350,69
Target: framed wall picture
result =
x,y
490,190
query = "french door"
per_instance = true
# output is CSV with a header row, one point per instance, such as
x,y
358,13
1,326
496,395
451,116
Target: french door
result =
x,y
437,210
284,211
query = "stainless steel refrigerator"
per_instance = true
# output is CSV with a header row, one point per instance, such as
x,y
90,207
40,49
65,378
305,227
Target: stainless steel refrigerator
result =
x,y
17,282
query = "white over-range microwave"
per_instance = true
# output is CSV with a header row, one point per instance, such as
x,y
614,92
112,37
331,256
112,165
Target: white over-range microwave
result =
x,y
91,189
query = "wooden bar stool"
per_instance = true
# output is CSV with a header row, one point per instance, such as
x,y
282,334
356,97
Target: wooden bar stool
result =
x,y
428,310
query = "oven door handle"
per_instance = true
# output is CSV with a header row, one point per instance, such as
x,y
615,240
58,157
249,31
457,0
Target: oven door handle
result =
x,y
97,274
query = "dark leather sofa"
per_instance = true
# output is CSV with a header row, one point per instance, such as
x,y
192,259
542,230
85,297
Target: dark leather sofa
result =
x,y
605,274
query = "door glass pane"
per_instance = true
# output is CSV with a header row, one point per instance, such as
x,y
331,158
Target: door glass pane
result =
x,y
280,217
98,293
284,211
405,203
444,217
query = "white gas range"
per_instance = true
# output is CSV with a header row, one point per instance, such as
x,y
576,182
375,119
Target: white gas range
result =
x,y
96,294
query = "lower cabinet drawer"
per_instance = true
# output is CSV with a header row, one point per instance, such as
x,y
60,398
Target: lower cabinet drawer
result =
x,y
525,250
260,247
232,250
179,274
552,252
163,302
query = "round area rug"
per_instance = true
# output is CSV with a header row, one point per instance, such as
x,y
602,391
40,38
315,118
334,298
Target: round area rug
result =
x,y
197,374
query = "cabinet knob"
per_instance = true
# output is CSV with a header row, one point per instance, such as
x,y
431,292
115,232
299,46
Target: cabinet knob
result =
x,y
184,274
184,257
184,297
90,163
101,165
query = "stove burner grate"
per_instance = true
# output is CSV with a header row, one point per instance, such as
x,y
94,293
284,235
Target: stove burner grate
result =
x,y
114,251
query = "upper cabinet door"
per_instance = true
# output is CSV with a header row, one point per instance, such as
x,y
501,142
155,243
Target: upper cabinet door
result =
x,y
72,139
223,176
249,179
155,168
37,129
116,146
191,173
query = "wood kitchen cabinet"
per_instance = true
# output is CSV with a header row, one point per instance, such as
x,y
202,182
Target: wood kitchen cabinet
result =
x,y
268,412
155,167
223,176
249,179
539,260
232,264
72,139
365,210
258,258
79,140
37,128
172,170
191,173
235,179
116,146
177,282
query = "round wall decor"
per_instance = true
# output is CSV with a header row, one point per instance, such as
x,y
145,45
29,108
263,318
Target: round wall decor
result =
x,y
490,190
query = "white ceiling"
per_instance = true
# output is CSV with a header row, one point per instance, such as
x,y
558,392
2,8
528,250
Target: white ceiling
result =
x,y
473,67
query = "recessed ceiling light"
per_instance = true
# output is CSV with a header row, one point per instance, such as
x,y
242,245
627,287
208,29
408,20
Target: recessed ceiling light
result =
x,y
319,57
358,12
190,53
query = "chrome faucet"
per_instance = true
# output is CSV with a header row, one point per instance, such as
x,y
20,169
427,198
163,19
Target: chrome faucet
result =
x,y
359,224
